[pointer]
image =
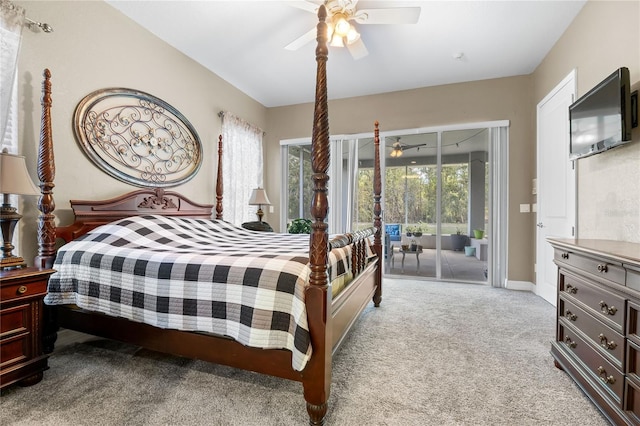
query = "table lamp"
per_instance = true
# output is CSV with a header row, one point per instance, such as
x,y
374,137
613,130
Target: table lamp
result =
x,y
258,198
14,179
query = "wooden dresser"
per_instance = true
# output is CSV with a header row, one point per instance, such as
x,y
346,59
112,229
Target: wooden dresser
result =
x,y
21,358
598,323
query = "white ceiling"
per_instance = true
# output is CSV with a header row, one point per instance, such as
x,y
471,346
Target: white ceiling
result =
x,y
243,42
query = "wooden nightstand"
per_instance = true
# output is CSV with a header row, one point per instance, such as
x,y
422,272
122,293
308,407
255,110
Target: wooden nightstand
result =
x,y
21,358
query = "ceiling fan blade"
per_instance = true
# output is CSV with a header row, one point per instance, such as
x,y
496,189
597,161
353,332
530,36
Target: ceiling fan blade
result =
x,y
397,15
309,5
357,49
414,146
302,40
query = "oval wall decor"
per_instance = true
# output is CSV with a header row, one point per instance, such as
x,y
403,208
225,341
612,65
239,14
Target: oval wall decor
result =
x,y
137,138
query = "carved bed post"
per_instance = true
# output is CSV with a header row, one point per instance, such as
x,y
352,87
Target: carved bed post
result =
x,y
46,205
317,375
46,174
219,183
377,212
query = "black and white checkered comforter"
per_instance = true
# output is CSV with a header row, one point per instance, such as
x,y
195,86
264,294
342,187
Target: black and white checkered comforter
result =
x,y
197,275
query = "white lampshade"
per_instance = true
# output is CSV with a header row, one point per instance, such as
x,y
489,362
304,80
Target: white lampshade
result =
x,y
259,197
14,177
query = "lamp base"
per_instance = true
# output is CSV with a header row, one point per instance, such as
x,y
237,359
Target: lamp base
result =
x,y
12,262
260,213
8,220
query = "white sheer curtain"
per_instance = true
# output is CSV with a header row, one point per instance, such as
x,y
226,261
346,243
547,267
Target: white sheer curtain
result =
x,y
11,23
241,167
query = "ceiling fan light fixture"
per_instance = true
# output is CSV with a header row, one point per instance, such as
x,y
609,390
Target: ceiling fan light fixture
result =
x,y
336,40
396,151
352,35
342,26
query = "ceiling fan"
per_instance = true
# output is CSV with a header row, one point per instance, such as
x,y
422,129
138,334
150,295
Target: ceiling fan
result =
x,y
398,148
341,15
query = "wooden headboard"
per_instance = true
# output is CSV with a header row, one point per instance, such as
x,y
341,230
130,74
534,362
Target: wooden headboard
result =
x,y
91,214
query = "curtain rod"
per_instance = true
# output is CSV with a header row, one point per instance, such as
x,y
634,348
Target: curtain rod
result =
x,y
222,113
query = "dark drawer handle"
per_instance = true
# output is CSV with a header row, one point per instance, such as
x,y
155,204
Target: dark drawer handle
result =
x,y
22,289
605,343
603,376
605,309
570,342
565,255
571,289
602,268
570,316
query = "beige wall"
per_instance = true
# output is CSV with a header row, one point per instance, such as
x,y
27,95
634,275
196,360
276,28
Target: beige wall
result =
x,y
94,46
489,100
604,36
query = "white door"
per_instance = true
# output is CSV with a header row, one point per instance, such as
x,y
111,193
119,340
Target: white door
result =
x,y
555,182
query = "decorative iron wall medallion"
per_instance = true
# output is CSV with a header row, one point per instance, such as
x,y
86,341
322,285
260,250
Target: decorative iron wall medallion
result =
x,y
137,138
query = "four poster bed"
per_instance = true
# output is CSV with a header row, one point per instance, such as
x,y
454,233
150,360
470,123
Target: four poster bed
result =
x,y
201,288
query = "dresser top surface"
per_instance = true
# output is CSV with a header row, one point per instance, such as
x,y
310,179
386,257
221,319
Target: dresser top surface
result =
x,y
624,251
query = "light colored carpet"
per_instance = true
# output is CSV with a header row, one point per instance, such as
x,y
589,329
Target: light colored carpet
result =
x,y
431,354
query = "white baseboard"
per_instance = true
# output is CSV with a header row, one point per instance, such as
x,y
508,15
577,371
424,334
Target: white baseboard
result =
x,y
520,285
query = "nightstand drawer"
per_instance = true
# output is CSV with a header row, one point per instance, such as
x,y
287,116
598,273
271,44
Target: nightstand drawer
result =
x,y
21,318
15,349
15,320
20,290
596,268
607,340
601,303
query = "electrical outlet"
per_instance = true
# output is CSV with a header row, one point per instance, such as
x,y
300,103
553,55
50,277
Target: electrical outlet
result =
x,y
525,208
271,209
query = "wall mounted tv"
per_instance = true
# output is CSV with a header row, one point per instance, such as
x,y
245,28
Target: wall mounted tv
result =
x,y
601,119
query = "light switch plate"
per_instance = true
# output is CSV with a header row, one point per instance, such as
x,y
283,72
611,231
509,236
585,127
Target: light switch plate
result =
x,y
524,208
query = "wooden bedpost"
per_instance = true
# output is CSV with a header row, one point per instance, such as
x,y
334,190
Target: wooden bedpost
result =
x,y
46,174
219,185
317,374
377,213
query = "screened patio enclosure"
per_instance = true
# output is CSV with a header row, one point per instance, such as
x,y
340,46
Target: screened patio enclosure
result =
x,y
439,184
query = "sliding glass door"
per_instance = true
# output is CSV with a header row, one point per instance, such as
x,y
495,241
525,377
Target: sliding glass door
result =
x,y
444,197
436,189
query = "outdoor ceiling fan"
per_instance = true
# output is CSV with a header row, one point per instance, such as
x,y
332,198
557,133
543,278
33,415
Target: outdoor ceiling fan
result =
x,y
398,148
341,16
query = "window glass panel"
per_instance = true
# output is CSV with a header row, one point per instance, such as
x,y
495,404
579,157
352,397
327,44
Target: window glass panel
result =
x,y
299,184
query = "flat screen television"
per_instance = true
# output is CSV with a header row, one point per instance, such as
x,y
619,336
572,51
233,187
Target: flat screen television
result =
x,y
601,119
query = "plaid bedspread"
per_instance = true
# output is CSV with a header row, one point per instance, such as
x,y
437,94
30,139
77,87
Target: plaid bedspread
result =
x,y
196,275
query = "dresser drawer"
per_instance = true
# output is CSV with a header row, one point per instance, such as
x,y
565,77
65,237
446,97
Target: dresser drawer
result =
x,y
607,340
633,321
21,290
605,374
633,359
601,303
596,268
632,399
633,279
